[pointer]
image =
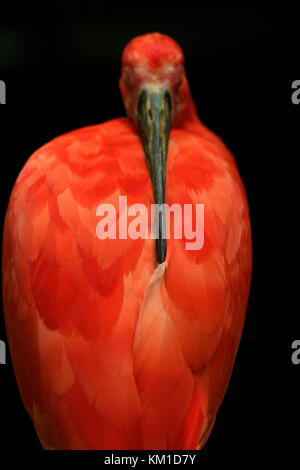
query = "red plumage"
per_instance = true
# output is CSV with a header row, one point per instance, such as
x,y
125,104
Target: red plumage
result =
x,y
111,350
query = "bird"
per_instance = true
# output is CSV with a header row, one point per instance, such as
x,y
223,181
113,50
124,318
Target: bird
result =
x,y
128,342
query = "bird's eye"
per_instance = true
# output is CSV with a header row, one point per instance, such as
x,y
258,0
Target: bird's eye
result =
x,y
179,82
126,81
128,78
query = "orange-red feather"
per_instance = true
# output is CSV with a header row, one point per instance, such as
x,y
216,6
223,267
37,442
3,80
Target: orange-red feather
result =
x,y
111,351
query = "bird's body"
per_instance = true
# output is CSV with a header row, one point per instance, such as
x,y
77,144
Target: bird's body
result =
x,y
112,350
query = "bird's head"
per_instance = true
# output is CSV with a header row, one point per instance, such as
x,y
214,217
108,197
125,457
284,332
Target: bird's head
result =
x,y
156,94
153,64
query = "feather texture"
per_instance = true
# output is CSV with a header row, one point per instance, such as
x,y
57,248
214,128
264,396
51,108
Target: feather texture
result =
x,y
109,349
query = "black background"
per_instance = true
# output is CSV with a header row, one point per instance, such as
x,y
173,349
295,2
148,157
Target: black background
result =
x,y
61,67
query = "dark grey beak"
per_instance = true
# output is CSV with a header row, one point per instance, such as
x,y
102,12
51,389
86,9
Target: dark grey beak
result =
x,y
154,120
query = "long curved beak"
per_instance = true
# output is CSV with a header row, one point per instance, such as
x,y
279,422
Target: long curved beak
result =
x,y
154,120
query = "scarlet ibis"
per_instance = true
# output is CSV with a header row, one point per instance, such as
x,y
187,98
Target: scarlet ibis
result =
x,y
127,342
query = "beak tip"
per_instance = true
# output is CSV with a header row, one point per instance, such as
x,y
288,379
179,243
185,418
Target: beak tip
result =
x,y
161,249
